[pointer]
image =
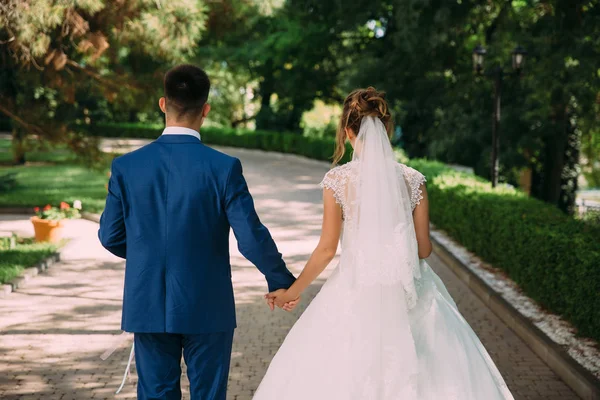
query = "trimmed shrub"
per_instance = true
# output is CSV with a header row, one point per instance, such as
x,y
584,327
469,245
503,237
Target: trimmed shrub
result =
x,y
554,258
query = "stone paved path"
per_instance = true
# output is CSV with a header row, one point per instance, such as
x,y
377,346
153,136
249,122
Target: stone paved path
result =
x,y
53,331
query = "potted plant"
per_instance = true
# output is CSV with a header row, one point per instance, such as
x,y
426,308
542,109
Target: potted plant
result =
x,y
48,221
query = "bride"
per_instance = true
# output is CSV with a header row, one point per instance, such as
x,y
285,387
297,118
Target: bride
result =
x,y
383,326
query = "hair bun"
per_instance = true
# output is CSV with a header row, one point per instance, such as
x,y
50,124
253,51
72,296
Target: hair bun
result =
x,y
358,104
370,103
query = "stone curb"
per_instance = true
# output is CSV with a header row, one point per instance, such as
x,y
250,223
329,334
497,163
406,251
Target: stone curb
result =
x,y
90,216
22,280
583,382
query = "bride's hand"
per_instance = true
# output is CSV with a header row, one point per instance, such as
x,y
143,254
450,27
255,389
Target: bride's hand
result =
x,y
283,299
289,306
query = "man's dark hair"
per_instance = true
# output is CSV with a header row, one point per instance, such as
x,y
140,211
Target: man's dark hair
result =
x,y
186,90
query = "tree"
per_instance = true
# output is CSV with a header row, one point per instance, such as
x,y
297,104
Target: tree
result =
x,y
563,85
422,57
59,57
292,53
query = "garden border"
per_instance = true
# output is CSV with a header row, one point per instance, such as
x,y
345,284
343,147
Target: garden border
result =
x,y
21,280
36,269
579,379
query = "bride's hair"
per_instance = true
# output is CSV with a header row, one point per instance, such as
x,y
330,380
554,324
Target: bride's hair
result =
x,y
361,103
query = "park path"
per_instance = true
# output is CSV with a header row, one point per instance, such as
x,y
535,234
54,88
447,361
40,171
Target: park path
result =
x,y
53,331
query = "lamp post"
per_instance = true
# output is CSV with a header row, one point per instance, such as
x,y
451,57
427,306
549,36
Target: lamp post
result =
x,y
497,73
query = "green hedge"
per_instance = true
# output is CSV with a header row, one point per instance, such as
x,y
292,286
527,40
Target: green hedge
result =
x,y
553,258
311,147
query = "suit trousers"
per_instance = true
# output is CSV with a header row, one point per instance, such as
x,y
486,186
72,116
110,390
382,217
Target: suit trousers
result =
x,y
158,363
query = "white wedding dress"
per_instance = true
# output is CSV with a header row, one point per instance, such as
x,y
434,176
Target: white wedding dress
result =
x,y
383,326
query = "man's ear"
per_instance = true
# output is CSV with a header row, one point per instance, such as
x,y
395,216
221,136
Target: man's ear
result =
x,y
205,110
162,103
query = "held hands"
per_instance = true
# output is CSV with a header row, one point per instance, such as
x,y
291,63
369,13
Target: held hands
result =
x,y
283,299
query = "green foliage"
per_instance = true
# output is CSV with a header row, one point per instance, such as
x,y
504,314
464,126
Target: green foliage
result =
x,y
289,52
552,257
126,130
420,53
64,211
7,182
591,217
26,254
64,62
590,157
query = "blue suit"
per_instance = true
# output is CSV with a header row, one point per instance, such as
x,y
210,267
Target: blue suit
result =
x,y
168,212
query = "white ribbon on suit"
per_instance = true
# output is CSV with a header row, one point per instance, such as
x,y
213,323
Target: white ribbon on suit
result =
x,y
118,342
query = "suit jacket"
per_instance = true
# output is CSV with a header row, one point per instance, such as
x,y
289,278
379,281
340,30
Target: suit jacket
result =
x,y
169,210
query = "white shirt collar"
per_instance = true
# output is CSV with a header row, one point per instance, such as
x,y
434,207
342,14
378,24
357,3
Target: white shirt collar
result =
x,y
180,130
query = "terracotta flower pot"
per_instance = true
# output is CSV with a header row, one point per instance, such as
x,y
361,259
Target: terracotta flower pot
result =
x,y
47,230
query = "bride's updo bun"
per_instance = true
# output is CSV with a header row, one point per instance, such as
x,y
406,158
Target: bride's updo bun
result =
x,y
359,104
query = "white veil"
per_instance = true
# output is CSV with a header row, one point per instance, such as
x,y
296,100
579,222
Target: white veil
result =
x,y
379,261
380,233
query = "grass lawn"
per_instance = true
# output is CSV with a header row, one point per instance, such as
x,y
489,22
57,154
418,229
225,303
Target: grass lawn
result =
x,y
51,177
56,154
38,185
26,254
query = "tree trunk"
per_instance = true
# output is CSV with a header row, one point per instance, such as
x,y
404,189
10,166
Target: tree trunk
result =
x,y
18,146
570,173
554,149
266,89
553,168
8,89
295,118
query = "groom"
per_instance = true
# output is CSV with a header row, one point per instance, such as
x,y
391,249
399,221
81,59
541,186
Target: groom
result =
x,y
169,210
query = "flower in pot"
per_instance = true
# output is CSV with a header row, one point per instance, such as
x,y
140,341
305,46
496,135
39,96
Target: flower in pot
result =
x,y
48,221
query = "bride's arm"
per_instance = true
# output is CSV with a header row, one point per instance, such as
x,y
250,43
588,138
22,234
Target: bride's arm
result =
x,y
421,221
323,253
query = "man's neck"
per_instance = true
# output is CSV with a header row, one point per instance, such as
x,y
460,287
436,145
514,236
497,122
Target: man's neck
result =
x,y
182,125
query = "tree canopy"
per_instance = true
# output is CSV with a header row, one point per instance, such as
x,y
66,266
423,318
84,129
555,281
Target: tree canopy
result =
x,y
65,63
62,60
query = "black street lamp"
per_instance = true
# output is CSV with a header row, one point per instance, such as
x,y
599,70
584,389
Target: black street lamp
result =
x,y
478,56
497,73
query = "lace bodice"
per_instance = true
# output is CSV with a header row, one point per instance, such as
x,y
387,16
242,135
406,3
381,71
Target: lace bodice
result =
x,y
338,178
